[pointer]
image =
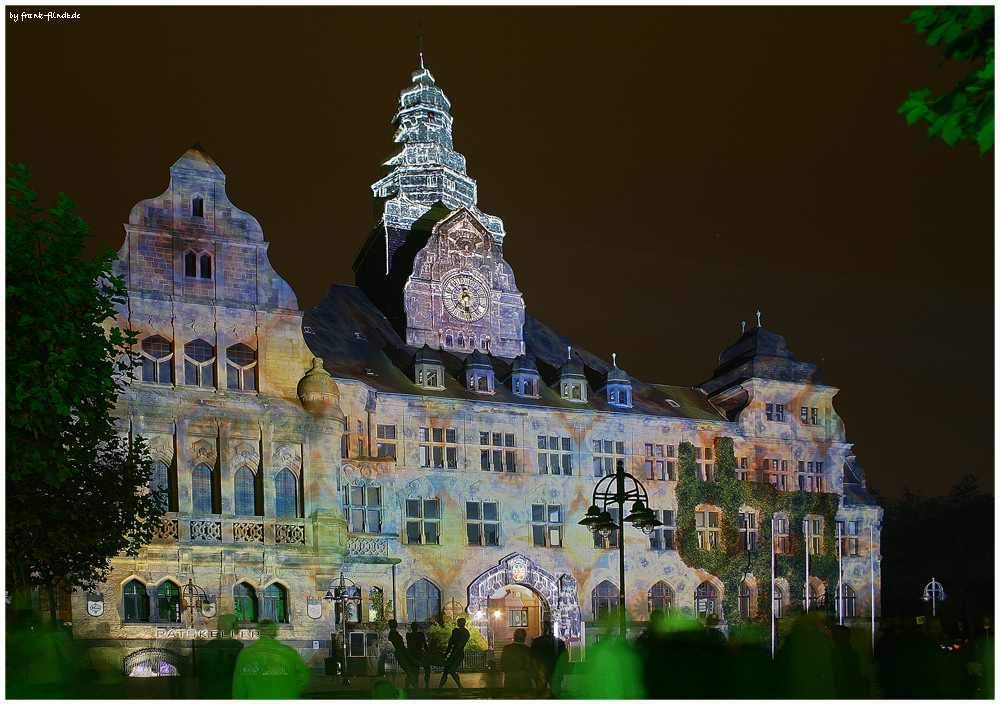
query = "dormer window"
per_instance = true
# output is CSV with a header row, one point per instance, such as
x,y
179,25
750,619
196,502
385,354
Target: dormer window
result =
x,y
197,264
198,207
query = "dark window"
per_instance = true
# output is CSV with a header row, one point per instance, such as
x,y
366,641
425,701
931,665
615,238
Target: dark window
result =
x,y
157,353
136,602
276,603
168,603
423,521
202,490
241,367
160,480
206,265
363,509
661,597
605,600
245,599
190,264
199,364
286,494
246,492
482,523
747,601
706,600
612,541
423,602
198,207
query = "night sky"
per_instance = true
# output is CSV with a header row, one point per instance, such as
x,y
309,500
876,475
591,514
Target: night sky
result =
x,y
662,174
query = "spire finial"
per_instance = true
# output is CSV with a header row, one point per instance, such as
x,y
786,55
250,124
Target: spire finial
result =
x,y
614,359
743,326
758,319
420,42
569,352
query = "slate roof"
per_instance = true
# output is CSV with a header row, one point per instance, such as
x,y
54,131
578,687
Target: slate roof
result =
x,y
357,342
762,354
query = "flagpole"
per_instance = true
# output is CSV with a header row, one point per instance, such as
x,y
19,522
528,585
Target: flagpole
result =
x,y
840,573
871,560
773,623
806,593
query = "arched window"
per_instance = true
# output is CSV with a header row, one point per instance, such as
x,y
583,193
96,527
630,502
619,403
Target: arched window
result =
x,y
197,265
190,264
817,595
168,603
747,601
276,603
706,600
199,364
245,600
423,602
245,482
661,597
136,602
286,502
198,207
157,353
605,600
848,603
206,265
779,601
160,480
202,490
241,367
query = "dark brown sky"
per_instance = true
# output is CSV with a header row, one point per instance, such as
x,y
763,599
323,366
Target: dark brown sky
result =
x,y
662,173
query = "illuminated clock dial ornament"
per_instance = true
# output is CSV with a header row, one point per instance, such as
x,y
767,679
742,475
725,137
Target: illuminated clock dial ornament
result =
x,y
465,297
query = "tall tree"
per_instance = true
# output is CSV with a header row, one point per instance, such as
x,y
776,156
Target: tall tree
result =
x,y
76,489
965,112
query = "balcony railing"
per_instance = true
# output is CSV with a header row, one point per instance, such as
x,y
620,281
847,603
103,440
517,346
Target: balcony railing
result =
x,y
258,531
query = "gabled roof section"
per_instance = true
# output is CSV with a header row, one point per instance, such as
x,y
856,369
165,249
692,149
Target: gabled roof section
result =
x,y
196,161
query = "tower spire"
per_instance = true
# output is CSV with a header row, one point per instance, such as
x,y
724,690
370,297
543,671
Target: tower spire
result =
x,y
420,43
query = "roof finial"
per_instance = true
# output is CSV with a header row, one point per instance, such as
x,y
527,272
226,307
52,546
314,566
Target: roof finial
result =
x,y
420,41
569,352
758,319
743,326
614,359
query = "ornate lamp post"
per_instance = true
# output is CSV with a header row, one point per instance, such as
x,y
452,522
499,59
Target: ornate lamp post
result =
x,y
343,592
934,593
194,596
618,489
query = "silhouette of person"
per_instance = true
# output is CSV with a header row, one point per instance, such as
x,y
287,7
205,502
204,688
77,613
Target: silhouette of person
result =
x,y
455,653
515,660
416,645
403,656
750,667
908,661
546,650
268,669
846,665
804,665
216,661
493,679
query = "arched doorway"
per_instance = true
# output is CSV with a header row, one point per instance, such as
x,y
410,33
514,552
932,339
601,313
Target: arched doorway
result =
x,y
554,598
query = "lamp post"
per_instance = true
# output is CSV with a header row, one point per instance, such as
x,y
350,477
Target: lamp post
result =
x,y
343,592
619,488
192,596
934,593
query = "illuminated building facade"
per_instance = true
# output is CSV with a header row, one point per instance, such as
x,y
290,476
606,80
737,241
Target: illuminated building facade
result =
x,y
423,435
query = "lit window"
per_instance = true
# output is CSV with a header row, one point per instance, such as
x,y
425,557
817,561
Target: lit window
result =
x,y
815,416
157,353
245,602
748,531
276,603
423,602
781,534
363,509
482,523
848,603
136,602
546,525
706,600
423,521
168,603
709,529
804,414
199,364
779,600
517,617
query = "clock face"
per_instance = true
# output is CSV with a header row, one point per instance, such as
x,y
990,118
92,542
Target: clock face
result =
x,y
465,298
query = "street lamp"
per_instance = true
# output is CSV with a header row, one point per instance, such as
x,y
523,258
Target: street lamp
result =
x,y
343,592
193,596
613,489
934,593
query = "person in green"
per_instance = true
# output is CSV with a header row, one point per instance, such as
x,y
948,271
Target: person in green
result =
x,y
268,669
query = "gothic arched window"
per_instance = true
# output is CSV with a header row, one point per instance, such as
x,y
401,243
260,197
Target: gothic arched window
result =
x,y
276,603
747,601
706,600
245,601
157,353
136,602
245,482
848,603
168,602
423,601
661,597
160,480
605,600
778,596
202,490
199,364
241,367
286,502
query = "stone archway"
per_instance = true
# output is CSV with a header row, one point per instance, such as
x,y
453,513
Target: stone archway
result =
x,y
560,594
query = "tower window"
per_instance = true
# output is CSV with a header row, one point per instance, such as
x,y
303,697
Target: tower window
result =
x,y
197,265
199,364
157,353
241,364
198,207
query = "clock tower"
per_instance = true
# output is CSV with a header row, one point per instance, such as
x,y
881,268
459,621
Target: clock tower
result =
x,y
433,263
461,295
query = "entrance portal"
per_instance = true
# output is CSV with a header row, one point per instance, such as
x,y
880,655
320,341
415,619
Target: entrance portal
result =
x,y
519,588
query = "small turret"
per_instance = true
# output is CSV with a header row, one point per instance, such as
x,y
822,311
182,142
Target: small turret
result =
x,y
318,393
